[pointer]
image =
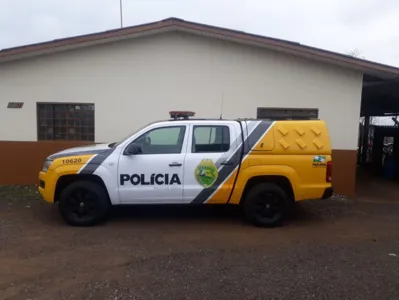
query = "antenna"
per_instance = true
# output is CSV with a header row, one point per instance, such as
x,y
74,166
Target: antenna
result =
x,y
221,107
121,12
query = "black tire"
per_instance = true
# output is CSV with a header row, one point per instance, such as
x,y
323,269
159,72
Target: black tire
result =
x,y
84,203
265,205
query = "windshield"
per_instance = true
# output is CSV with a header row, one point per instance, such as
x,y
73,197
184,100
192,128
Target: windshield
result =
x,y
115,144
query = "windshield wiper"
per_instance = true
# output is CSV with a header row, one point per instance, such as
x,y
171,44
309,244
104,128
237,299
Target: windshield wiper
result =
x,y
112,145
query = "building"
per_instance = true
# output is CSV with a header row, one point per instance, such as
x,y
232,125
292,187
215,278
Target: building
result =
x,y
100,87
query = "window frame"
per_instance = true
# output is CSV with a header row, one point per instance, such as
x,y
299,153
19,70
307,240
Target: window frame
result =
x,y
63,103
221,151
184,127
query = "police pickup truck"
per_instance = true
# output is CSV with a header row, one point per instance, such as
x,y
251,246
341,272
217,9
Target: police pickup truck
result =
x,y
263,166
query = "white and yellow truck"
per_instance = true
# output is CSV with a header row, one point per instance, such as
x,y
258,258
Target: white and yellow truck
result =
x,y
263,166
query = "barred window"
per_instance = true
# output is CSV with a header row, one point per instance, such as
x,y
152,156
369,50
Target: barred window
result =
x,y
272,113
65,121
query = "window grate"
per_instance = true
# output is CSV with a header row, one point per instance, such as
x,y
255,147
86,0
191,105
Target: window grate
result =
x,y
73,122
287,113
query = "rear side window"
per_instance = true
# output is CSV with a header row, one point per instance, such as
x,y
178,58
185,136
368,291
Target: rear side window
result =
x,y
211,139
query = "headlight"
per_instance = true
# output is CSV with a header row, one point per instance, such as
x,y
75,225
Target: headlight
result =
x,y
46,165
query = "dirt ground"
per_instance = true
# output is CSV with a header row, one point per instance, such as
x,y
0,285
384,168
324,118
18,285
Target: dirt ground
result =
x,y
332,249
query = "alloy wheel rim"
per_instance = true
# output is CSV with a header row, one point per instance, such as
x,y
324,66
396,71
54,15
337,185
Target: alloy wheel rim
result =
x,y
268,206
81,204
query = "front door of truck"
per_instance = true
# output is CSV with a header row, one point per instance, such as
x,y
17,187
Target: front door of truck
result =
x,y
156,174
211,162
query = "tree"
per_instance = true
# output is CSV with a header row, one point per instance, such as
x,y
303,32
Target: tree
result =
x,y
355,53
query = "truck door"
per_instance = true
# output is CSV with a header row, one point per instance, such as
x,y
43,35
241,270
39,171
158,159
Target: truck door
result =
x,y
211,162
156,174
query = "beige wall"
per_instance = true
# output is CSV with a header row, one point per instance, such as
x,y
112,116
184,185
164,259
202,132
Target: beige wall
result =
x,y
134,82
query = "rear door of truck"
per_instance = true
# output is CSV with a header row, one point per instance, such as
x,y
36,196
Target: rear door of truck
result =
x,y
211,163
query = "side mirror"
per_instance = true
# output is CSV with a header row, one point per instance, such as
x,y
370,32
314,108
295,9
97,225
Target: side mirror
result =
x,y
133,149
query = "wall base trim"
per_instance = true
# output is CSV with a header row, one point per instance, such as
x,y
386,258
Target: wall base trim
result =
x,y
22,161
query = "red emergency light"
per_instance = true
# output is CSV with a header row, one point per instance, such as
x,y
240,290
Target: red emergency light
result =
x,y
181,114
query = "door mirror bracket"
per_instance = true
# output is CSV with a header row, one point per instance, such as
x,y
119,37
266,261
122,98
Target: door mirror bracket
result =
x,y
132,149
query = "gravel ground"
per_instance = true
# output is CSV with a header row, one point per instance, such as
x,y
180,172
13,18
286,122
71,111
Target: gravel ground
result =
x,y
332,249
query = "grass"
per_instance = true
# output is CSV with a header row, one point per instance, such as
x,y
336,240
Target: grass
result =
x,y
16,192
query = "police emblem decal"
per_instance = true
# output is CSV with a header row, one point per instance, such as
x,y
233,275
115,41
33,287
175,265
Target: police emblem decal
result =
x,y
206,173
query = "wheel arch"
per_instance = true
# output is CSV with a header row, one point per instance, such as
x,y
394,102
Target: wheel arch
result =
x,y
282,181
66,180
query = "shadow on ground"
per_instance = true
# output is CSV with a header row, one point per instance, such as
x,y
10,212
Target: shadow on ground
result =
x,y
304,212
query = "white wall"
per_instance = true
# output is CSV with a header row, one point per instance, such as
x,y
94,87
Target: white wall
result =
x,y
134,82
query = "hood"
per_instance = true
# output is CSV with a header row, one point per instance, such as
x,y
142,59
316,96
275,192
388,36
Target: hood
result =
x,y
91,149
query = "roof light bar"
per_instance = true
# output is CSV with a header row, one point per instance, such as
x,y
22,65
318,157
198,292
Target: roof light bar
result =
x,y
181,114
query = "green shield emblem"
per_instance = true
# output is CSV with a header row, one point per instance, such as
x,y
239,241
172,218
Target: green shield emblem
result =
x,y
206,173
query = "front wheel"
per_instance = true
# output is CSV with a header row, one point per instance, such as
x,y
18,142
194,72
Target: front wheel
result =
x,y
83,203
265,205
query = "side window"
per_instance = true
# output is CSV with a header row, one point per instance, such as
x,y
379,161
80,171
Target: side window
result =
x,y
211,139
165,140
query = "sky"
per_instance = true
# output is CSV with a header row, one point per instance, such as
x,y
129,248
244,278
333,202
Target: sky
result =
x,y
368,27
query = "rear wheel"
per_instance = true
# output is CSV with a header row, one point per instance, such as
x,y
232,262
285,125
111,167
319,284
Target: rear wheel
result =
x,y
84,203
265,205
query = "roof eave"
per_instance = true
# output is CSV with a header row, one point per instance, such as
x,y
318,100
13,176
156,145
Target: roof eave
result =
x,y
84,41
296,49
173,24
83,44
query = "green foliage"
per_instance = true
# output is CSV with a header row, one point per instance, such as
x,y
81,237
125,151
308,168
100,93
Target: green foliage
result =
x,y
13,192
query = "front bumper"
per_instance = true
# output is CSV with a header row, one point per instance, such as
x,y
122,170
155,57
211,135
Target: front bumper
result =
x,y
328,192
47,183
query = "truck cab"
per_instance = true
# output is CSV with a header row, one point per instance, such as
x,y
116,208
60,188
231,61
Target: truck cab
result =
x,y
264,166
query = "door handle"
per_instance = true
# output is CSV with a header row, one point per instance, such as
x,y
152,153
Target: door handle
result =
x,y
175,164
226,163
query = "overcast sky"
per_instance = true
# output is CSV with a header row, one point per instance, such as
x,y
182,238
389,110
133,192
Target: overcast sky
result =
x,y
370,26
